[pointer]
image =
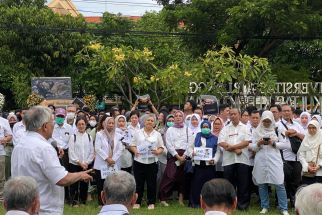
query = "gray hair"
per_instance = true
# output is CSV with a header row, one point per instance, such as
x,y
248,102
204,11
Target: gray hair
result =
x,y
20,192
308,199
150,115
36,116
119,187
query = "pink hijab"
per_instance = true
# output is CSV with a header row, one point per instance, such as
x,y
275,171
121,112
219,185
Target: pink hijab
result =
x,y
180,124
216,133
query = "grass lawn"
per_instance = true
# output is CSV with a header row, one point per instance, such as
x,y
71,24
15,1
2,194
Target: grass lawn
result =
x,y
92,209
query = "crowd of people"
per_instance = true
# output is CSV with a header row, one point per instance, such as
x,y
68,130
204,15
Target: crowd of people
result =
x,y
165,151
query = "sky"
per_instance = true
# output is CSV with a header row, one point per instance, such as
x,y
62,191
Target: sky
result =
x,y
125,7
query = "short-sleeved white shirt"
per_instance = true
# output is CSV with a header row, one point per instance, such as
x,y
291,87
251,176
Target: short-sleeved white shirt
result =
x,y
234,135
34,156
19,131
62,135
5,130
154,138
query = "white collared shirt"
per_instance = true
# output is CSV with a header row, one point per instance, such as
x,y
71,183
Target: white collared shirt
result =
x,y
234,135
19,131
215,213
5,130
62,135
103,150
114,209
284,142
34,156
81,148
16,212
154,139
179,138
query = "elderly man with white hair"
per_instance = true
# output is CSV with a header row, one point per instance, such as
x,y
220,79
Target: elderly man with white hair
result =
x,y
21,196
118,194
34,156
308,200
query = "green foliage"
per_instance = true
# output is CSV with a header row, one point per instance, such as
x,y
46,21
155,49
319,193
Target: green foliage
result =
x,y
25,3
114,66
224,66
30,46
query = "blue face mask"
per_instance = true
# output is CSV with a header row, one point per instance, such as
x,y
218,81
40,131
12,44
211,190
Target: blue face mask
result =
x,y
205,131
170,124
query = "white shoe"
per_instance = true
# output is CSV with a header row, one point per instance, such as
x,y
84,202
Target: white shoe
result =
x,y
285,213
164,203
136,206
263,211
151,207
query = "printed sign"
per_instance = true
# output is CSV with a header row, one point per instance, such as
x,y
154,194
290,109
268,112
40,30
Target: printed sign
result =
x,y
202,154
107,171
145,149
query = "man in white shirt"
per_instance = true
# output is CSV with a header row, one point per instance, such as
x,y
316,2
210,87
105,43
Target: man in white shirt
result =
x,y
289,128
118,194
40,161
276,110
19,129
21,196
5,137
234,139
224,113
218,197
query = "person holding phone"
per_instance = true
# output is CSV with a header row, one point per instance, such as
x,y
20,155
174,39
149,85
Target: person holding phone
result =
x,y
268,164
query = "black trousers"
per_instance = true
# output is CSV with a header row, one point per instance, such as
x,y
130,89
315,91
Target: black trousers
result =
x,y
78,190
65,162
311,180
238,175
99,186
146,173
293,181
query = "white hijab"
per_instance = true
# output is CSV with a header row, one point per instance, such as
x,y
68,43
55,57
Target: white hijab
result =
x,y
312,142
262,132
192,128
308,115
318,118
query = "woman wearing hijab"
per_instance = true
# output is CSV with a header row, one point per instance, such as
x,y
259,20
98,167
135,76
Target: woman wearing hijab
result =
x,y
203,169
318,119
217,125
194,124
187,120
178,139
108,150
126,158
146,145
268,164
310,154
305,118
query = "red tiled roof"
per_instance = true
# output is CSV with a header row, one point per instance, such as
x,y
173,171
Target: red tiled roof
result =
x,y
93,19
99,19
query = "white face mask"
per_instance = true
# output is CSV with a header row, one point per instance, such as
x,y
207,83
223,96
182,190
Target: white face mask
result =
x,y
92,123
70,115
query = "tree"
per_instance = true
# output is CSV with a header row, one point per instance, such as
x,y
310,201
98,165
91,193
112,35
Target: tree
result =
x,y
114,66
32,44
253,74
